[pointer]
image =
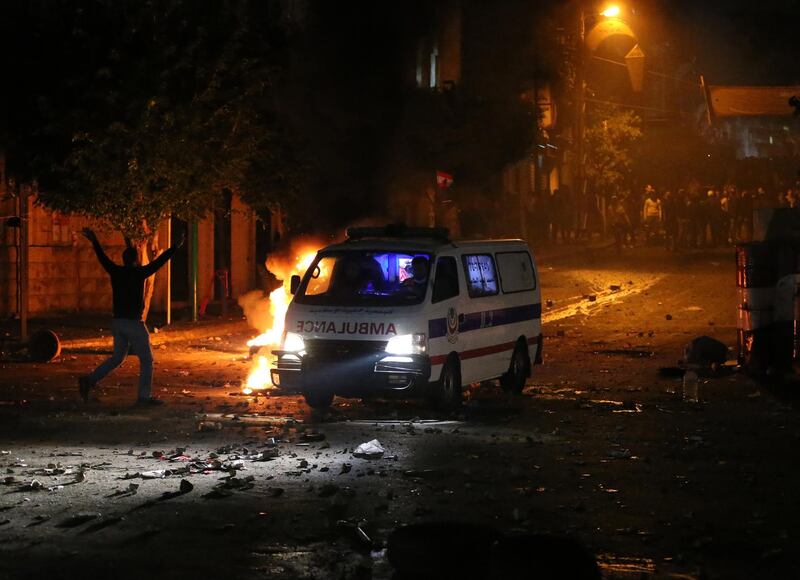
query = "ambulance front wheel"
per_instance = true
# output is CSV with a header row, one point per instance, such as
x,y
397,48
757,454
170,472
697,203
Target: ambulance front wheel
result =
x,y
319,399
446,392
518,370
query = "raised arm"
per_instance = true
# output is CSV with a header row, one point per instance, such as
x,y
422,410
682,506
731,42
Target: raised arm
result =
x,y
105,261
154,266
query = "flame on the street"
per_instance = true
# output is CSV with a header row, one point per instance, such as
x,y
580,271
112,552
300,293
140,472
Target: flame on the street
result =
x,y
284,268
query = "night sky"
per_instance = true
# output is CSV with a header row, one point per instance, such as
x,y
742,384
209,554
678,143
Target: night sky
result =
x,y
733,41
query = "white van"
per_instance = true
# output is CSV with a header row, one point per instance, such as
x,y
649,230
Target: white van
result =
x,y
406,311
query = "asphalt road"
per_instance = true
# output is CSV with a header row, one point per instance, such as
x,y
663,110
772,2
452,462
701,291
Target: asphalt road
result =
x,y
596,449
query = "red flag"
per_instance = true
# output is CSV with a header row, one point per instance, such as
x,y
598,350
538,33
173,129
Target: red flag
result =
x,y
443,180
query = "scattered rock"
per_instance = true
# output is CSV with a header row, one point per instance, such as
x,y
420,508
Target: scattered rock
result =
x,y
369,450
705,351
312,437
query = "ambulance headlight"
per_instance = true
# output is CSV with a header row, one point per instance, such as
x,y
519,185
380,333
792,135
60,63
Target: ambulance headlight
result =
x,y
294,343
407,344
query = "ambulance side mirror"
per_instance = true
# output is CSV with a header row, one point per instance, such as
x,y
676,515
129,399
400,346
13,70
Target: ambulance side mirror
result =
x,y
294,284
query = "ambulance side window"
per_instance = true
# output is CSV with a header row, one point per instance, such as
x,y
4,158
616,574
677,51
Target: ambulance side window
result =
x,y
516,272
481,277
446,283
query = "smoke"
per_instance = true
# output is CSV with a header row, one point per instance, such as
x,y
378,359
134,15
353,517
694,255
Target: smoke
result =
x,y
255,306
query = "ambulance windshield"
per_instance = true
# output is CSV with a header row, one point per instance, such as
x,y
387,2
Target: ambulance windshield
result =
x,y
365,278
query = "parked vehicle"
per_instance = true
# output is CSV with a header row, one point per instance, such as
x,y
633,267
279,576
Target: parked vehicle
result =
x,y
406,311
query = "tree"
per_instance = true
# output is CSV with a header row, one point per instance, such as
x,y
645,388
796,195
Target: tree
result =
x,y
610,142
169,105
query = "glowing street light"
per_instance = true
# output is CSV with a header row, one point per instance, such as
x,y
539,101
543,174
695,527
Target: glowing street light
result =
x,y
611,12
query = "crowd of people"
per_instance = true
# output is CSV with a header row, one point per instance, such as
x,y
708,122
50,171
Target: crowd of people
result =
x,y
678,219
684,219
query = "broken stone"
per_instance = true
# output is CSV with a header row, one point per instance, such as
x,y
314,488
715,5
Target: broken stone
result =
x,y
312,437
34,485
668,316
369,450
705,351
264,455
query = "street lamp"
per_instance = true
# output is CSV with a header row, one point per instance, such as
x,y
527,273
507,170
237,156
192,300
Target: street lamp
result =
x,y
611,24
611,11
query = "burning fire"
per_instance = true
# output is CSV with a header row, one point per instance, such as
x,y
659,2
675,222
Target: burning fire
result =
x,y
284,268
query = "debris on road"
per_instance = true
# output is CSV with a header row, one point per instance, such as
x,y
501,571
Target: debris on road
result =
x,y
312,437
225,488
369,450
154,474
705,351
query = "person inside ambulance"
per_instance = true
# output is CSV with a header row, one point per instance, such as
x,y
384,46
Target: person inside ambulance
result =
x,y
356,277
417,283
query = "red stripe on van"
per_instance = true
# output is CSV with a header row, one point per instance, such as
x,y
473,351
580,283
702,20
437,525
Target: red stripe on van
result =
x,y
483,351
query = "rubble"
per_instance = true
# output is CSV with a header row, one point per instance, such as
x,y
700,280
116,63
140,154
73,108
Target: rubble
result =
x,y
705,351
369,450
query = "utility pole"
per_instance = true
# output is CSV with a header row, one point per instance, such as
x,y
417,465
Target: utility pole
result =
x,y
578,170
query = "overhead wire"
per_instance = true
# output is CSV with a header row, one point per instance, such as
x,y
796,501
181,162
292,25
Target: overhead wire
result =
x,y
650,72
629,106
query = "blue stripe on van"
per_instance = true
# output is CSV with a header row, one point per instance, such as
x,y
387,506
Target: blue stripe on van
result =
x,y
437,327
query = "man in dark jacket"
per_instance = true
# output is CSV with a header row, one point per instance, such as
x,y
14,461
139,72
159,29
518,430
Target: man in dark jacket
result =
x,y
127,326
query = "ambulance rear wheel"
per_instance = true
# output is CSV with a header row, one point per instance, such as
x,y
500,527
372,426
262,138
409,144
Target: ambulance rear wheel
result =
x,y
446,395
319,399
514,379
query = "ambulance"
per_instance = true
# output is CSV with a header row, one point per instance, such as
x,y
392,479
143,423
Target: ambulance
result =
x,y
406,311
